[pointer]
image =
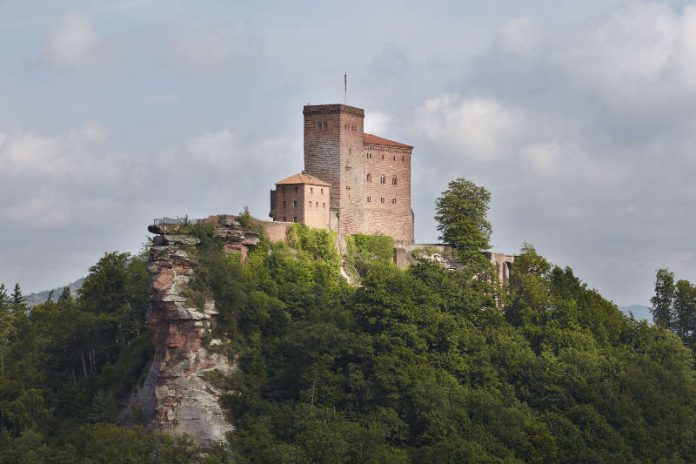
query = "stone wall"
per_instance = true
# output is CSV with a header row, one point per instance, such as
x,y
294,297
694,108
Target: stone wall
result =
x,y
387,206
406,254
304,203
335,152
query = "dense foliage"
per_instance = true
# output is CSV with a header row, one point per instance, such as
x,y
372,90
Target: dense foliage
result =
x,y
674,306
461,214
409,366
67,367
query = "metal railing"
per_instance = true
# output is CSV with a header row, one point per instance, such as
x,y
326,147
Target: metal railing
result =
x,y
176,221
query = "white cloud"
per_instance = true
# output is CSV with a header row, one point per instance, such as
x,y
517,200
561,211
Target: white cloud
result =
x,y
629,48
519,36
33,156
72,41
214,149
216,46
476,128
543,158
377,122
685,60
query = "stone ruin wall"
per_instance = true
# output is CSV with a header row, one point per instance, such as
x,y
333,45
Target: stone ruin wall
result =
x,y
407,254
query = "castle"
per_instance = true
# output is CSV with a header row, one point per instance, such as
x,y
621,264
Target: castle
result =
x,y
353,182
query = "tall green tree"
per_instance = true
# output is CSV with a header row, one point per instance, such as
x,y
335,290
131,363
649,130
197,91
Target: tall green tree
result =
x,y
461,214
19,305
7,333
664,296
685,311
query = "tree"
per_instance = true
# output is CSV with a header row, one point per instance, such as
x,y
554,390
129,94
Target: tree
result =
x,y
664,296
65,296
461,216
7,333
19,305
684,306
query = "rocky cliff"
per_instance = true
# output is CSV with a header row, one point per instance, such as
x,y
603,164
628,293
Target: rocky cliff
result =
x,y
176,396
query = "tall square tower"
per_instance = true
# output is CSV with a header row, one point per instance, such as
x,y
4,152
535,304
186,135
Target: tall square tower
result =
x,y
333,152
368,177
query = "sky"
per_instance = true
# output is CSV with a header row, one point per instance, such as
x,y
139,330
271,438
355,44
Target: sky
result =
x,y
578,117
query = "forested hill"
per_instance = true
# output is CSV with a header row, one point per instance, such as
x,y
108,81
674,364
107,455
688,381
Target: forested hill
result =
x,y
421,365
41,297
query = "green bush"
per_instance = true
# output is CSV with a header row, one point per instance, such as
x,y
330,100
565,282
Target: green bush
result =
x,y
363,250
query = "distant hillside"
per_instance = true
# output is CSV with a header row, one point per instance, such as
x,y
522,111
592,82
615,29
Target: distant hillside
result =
x,y
41,297
640,312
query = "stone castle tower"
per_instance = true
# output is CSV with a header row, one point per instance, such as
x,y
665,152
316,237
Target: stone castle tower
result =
x,y
368,177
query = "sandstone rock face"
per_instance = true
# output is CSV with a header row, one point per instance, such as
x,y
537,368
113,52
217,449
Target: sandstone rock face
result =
x,y
176,397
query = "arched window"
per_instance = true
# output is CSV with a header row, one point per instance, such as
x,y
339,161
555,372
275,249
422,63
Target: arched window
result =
x,y
393,180
382,179
369,177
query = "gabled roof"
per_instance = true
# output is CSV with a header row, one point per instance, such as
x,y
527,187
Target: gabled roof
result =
x,y
302,178
374,140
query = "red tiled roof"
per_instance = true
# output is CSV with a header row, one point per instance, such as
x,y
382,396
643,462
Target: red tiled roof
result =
x,y
303,178
374,140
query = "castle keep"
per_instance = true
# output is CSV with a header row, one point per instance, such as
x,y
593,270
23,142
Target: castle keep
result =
x,y
353,182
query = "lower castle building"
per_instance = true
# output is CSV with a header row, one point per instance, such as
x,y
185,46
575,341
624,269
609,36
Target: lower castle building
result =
x,y
353,182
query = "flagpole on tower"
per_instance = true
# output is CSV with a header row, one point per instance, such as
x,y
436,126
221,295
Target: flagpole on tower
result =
x,y
345,88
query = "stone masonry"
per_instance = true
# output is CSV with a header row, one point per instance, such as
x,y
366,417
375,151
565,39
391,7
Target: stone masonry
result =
x,y
370,176
302,198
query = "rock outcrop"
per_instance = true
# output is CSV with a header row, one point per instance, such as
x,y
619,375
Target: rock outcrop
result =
x,y
177,396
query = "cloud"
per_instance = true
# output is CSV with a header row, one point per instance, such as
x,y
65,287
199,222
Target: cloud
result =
x,y
543,158
74,195
28,155
72,41
586,143
377,122
216,46
213,148
519,36
476,128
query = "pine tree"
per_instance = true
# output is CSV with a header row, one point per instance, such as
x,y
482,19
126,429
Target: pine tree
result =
x,y
662,311
685,311
19,305
7,332
65,296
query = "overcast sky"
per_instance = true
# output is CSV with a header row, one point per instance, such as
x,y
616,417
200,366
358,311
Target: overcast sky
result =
x,y
579,117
